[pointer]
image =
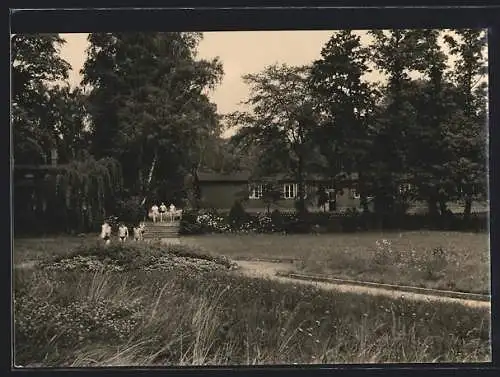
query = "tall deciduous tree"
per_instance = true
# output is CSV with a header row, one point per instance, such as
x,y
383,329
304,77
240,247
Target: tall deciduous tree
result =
x,y
149,105
280,120
393,52
36,66
467,131
345,101
433,100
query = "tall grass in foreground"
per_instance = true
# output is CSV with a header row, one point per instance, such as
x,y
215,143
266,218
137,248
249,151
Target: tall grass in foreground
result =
x,y
166,318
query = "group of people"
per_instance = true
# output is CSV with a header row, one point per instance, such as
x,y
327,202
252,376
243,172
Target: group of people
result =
x,y
157,212
123,233
160,212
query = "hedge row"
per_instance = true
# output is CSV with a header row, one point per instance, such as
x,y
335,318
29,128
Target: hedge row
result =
x,y
200,222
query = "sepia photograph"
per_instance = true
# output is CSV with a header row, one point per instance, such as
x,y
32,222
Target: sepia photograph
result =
x,y
245,198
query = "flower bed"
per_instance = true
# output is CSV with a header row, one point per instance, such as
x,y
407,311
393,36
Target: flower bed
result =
x,y
351,220
120,258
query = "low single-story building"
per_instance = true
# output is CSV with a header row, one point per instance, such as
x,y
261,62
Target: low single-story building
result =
x,y
220,191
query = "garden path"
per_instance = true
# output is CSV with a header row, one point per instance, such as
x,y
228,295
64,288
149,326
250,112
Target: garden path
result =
x,y
268,270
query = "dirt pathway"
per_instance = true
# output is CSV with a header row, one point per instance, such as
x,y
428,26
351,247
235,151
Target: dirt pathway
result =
x,y
268,270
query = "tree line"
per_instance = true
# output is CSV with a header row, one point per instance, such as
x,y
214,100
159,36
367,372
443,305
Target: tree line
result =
x,y
141,124
425,125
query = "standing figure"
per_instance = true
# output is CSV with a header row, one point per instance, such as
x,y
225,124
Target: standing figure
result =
x,y
106,233
142,228
122,232
171,209
137,233
163,209
154,212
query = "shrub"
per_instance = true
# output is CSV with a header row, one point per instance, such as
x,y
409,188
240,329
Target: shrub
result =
x,y
385,254
433,263
189,223
264,224
127,257
130,210
40,324
212,222
278,221
237,215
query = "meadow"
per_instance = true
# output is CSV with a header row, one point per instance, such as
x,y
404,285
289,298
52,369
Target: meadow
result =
x,y
456,261
103,316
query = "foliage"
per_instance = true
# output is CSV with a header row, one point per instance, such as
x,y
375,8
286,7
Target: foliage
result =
x,y
280,121
218,319
346,102
127,257
83,189
130,210
157,128
467,131
237,215
211,222
36,66
271,193
394,54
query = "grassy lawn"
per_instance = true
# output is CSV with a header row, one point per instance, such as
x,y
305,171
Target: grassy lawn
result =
x,y
32,249
140,317
464,265
119,319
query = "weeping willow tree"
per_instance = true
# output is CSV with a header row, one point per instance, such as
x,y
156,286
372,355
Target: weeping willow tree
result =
x,y
85,189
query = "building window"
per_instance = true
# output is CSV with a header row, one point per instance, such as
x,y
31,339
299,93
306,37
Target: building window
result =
x,y
405,188
255,191
290,190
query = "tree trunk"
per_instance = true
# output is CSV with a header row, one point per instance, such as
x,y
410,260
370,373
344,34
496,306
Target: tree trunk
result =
x,y
432,207
300,189
442,207
468,207
150,178
363,198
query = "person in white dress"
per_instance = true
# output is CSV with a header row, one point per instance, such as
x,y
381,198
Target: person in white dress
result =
x,y
154,212
171,210
106,233
163,210
122,232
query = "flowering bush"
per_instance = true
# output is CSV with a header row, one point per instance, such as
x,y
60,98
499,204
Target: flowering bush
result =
x,y
211,222
118,258
431,262
85,263
385,253
40,323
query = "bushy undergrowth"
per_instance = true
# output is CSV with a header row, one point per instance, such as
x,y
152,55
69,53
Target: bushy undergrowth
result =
x,y
171,318
126,257
350,220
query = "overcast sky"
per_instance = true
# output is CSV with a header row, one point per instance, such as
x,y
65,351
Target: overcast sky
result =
x,y
240,53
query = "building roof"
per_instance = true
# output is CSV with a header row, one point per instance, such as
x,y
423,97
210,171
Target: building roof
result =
x,y
220,177
247,176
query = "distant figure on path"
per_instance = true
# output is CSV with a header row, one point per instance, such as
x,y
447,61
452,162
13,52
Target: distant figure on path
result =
x,y
163,209
106,233
122,232
171,210
154,212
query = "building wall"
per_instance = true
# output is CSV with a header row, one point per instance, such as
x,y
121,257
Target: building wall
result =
x,y
222,195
